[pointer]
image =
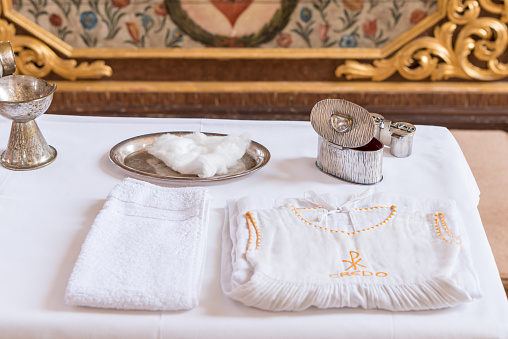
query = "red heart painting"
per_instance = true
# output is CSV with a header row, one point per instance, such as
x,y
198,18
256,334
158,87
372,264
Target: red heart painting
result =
x,y
232,9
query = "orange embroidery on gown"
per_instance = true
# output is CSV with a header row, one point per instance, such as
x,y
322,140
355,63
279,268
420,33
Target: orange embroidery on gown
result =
x,y
393,208
440,217
354,263
253,228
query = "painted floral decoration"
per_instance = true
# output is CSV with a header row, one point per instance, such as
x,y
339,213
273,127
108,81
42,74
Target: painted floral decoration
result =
x,y
354,5
417,16
149,24
323,31
284,40
89,20
160,9
55,20
173,38
348,41
132,27
370,27
120,3
146,20
305,14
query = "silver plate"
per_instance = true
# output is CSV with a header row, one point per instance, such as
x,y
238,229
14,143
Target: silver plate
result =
x,y
131,155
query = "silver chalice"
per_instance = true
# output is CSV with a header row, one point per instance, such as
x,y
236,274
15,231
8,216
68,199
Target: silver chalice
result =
x,y
22,99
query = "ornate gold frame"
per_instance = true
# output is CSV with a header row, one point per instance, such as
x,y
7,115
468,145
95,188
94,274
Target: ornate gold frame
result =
x,y
37,59
449,52
460,35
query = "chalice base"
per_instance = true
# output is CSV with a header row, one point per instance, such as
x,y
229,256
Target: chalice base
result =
x,y
27,148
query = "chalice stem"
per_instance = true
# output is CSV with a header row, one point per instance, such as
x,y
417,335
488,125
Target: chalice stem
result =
x,y
27,148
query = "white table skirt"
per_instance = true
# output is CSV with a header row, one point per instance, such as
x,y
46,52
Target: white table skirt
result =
x,y
45,215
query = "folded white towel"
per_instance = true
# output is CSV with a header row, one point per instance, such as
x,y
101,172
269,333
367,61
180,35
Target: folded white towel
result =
x,y
145,250
198,153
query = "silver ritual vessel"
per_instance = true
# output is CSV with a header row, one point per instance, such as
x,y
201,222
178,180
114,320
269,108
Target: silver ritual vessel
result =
x,y
22,99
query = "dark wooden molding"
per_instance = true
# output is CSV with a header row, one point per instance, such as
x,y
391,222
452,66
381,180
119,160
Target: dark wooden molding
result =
x,y
452,110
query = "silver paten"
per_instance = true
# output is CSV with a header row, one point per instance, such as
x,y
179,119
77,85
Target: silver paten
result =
x,y
131,156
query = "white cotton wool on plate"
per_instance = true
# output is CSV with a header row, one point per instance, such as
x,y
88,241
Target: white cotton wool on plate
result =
x,y
198,153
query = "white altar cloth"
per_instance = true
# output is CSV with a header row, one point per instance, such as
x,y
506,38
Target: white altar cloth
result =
x,y
45,215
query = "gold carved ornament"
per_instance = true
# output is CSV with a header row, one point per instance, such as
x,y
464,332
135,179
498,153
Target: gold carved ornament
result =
x,y
36,59
438,57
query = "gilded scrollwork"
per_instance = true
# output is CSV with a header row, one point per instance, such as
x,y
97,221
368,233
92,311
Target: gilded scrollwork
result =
x,y
496,8
462,12
36,59
450,52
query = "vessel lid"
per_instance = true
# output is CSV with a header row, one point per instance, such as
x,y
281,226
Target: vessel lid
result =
x,y
402,129
343,123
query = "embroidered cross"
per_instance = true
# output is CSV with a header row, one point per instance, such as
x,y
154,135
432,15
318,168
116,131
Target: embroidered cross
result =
x,y
354,263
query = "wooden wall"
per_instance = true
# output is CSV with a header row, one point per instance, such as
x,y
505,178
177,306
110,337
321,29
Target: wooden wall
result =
x,y
275,89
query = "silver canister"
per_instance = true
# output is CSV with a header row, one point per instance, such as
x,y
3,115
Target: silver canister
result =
x,y
363,165
379,122
402,134
385,133
347,148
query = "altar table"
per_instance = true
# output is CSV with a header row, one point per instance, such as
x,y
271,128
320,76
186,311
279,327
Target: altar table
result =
x,y
45,215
